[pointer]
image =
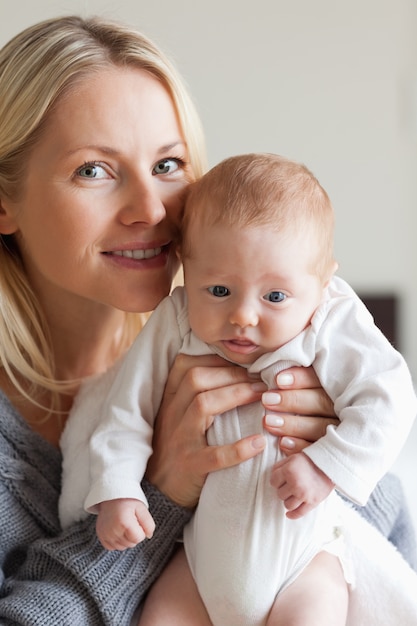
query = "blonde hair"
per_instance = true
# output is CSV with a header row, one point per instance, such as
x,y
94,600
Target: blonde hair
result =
x,y
37,67
261,190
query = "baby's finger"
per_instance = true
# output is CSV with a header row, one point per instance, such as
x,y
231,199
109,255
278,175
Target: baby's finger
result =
x,y
292,503
299,511
115,544
148,525
132,536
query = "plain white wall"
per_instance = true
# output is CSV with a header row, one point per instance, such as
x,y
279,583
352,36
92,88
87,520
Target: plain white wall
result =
x,y
331,83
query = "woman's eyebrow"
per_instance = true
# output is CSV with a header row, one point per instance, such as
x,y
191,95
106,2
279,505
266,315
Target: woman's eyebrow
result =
x,y
171,146
91,146
112,151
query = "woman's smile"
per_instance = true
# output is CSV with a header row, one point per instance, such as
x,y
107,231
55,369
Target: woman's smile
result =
x,y
141,258
139,254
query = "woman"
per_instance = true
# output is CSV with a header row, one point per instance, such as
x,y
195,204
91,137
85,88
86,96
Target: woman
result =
x,y
98,139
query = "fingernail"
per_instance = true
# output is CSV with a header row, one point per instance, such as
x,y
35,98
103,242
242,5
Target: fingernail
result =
x,y
286,442
274,420
271,397
285,379
258,442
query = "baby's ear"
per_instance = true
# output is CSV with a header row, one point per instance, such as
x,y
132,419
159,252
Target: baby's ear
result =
x,y
8,224
331,273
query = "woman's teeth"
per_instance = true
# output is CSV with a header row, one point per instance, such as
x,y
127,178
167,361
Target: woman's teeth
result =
x,y
139,254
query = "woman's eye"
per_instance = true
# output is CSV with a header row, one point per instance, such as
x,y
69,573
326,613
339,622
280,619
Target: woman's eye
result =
x,y
167,166
92,170
275,296
219,291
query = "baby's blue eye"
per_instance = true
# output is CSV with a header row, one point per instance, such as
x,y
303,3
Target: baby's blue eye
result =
x,y
219,291
275,296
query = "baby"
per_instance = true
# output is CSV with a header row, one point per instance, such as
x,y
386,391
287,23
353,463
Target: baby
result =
x,y
266,543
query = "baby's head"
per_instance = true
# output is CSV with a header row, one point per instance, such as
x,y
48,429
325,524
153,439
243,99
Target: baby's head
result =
x,y
263,190
257,251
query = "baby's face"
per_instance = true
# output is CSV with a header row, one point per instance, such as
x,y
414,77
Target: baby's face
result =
x,y
250,290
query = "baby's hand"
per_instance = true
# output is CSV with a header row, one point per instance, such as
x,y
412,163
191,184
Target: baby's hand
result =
x,y
300,484
123,523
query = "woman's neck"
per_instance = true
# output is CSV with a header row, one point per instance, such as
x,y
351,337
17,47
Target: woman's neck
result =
x,y
86,341
80,354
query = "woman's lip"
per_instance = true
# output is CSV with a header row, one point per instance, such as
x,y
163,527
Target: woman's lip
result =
x,y
140,258
139,252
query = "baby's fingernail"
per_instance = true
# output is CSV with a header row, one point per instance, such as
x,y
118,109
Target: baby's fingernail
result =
x,y
286,442
274,420
285,379
271,397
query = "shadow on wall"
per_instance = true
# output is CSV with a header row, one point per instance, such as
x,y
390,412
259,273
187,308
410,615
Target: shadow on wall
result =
x,y
384,308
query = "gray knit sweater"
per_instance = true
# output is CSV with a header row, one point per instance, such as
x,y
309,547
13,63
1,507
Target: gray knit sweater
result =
x,y
49,577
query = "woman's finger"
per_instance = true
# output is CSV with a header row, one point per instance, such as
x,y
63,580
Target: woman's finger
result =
x,y
208,404
292,445
210,364
299,402
192,376
297,426
222,457
298,378
299,392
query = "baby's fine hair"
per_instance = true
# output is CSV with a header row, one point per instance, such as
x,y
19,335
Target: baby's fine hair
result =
x,y
263,189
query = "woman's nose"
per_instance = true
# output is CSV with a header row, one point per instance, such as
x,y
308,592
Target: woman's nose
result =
x,y
142,203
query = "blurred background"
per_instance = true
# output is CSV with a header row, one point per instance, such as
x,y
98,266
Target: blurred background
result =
x,y
329,83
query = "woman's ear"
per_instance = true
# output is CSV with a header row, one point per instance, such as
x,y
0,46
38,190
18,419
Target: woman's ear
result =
x,y
8,224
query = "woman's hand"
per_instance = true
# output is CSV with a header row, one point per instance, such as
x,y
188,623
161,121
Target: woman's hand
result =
x,y
198,388
299,411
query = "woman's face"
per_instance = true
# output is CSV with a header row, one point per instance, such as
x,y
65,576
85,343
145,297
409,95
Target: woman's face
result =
x,y
102,194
